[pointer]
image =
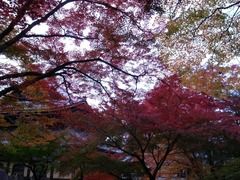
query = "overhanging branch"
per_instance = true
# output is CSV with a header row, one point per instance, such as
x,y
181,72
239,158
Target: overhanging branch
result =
x,y
57,35
55,72
35,23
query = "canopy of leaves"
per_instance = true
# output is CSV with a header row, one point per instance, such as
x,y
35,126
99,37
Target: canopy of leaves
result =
x,y
85,44
201,37
170,116
54,53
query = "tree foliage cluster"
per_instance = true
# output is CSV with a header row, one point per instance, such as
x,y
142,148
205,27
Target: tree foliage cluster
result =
x,y
57,54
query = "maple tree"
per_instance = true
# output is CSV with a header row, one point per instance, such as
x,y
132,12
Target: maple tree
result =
x,y
200,118
153,131
205,27
93,46
37,159
32,117
84,161
201,41
34,128
227,171
112,30
41,139
115,32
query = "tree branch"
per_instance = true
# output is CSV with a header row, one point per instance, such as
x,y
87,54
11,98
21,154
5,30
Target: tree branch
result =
x,y
18,75
93,79
66,85
20,14
24,32
163,159
54,72
118,10
210,15
58,35
35,23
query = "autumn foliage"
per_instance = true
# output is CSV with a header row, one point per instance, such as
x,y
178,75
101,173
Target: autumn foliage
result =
x,y
152,131
164,75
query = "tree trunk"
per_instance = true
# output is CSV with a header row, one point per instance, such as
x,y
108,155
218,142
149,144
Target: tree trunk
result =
x,y
152,177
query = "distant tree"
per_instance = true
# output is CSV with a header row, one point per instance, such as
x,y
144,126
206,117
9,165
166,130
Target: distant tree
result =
x,y
229,170
38,159
84,161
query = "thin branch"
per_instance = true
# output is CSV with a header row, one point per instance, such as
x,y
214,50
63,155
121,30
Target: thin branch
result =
x,y
164,157
141,161
175,9
20,14
214,48
24,32
210,15
66,85
149,138
92,60
54,72
153,156
133,134
117,10
93,79
231,21
109,7
233,16
35,23
58,35
18,75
